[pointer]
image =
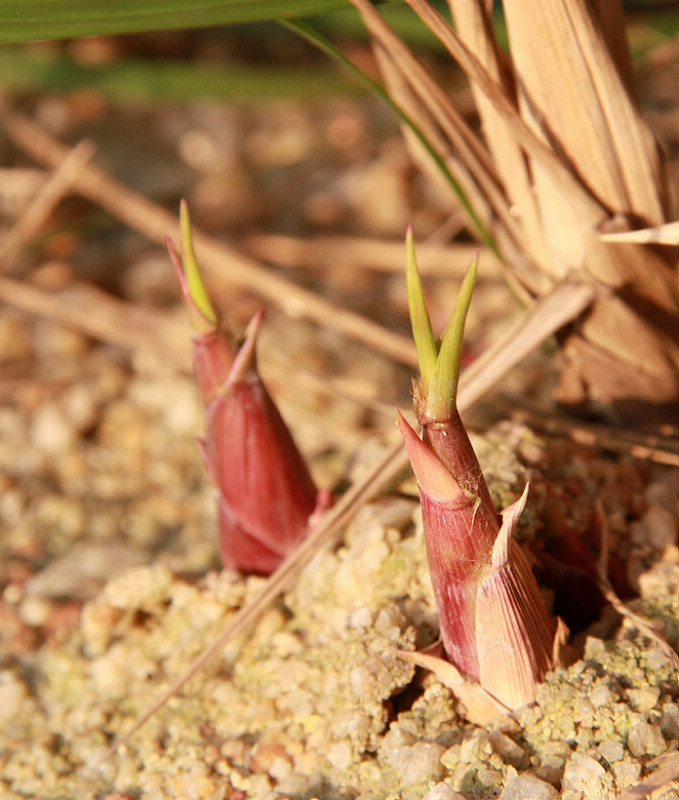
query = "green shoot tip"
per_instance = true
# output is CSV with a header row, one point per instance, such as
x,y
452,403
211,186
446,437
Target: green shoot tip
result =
x,y
442,395
194,279
425,343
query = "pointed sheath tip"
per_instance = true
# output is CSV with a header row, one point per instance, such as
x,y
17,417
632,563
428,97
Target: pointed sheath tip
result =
x,y
432,476
245,361
510,519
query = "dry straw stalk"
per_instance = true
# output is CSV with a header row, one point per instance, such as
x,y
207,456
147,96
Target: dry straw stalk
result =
x,y
563,156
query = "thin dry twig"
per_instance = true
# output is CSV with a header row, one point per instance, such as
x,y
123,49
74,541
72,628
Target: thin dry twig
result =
x,y
224,264
47,198
330,252
658,447
85,307
660,234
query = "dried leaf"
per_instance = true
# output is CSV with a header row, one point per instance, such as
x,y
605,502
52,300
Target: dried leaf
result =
x,y
572,93
480,707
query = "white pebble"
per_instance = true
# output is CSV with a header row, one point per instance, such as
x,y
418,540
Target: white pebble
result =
x,y
585,775
528,787
420,762
50,431
611,751
362,618
662,526
645,739
643,698
12,692
35,611
626,772
443,791
339,755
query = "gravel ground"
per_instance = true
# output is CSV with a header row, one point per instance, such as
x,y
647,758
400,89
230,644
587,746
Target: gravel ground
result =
x,y
315,702
110,582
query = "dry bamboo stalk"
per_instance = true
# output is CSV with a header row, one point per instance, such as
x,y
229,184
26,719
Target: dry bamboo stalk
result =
x,y
590,121
530,142
472,23
591,116
625,356
611,22
438,104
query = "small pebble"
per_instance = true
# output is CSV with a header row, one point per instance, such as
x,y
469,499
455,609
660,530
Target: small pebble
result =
x,y
626,772
12,692
443,791
35,611
528,787
83,570
602,696
669,722
51,432
583,774
661,525
611,751
509,750
294,785
339,755
644,698
421,761
489,777
661,579
645,739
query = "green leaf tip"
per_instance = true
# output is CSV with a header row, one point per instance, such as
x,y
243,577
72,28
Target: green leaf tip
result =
x,y
425,343
442,394
194,279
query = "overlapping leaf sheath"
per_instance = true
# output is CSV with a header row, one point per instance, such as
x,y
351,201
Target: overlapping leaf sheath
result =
x,y
494,626
266,495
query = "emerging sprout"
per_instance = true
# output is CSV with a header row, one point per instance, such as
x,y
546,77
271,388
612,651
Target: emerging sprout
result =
x,y
494,627
266,496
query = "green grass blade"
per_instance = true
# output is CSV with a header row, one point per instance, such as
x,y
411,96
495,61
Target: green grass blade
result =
x,y
325,45
135,80
28,20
